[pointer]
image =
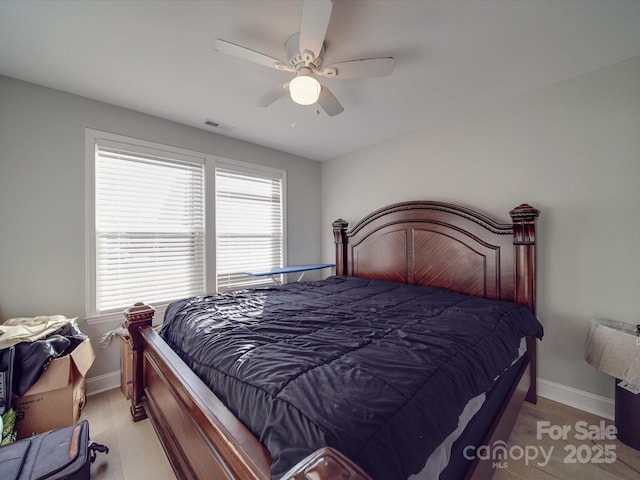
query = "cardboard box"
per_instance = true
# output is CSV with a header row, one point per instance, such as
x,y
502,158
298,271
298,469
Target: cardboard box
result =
x,y
55,400
126,367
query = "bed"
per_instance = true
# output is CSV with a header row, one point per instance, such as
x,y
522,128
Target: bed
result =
x,y
408,245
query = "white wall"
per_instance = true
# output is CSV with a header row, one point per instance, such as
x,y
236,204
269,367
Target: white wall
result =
x,y
42,219
573,151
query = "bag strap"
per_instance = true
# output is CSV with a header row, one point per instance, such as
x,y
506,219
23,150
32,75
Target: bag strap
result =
x,y
96,448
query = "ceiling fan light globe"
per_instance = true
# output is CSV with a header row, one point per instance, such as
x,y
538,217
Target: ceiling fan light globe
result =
x,y
304,90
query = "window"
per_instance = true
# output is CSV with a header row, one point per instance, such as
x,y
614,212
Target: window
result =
x,y
249,224
148,219
150,224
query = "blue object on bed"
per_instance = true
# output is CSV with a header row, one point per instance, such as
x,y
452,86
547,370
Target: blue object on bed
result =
x,y
378,370
290,269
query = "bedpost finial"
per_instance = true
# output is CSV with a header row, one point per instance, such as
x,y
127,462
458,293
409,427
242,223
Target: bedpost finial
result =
x,y
524,224
340,223
137,315
339,230
524,212
139,310
340,238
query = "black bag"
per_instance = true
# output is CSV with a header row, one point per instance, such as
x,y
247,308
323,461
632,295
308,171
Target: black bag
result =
x,y
64,453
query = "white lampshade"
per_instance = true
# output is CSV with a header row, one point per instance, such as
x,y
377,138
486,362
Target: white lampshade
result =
x,y
614,348
304,90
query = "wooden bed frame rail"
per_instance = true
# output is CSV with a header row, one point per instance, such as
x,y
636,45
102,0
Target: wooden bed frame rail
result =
x,y
423,243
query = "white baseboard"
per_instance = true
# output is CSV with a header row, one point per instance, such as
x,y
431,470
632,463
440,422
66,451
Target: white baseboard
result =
x,y
589,402
102,383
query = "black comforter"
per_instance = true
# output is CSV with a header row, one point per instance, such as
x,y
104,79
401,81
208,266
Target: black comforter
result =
x,y
378,370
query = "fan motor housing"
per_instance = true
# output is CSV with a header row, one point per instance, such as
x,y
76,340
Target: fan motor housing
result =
x,y
299,59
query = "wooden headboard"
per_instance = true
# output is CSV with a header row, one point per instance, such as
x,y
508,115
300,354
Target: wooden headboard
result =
x,y
443,245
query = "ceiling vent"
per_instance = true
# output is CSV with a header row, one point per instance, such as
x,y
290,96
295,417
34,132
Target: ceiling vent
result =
x,y
218,125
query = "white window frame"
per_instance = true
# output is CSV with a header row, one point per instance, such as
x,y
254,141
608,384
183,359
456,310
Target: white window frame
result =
x,y
210,163
92,138
253,169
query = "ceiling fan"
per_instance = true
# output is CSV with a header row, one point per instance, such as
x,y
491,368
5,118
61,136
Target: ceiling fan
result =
x,y
305,52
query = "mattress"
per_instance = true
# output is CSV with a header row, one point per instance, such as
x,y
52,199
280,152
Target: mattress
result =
x,y
378,370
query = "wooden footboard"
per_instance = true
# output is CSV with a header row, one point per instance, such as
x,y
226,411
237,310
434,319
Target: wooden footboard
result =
x,y
201,437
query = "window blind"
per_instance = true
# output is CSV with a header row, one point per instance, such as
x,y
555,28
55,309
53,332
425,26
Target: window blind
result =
x,y
249,226
150,228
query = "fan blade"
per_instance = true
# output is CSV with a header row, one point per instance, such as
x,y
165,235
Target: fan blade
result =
x,y
367,67
313,26
244,53
329,103
273,95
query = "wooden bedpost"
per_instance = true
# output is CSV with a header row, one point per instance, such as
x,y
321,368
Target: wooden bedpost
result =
x,y
138,316
524,238
524,241
340,239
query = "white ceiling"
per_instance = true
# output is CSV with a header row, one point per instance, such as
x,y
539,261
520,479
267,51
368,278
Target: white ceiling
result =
x,y
452,56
